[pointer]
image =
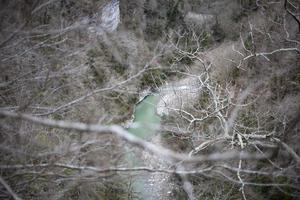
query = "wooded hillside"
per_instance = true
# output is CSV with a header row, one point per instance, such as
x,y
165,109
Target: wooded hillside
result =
x,y
223,75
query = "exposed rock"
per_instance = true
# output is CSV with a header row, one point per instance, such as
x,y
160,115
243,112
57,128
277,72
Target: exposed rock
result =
x,y
110,16
178,95
199,22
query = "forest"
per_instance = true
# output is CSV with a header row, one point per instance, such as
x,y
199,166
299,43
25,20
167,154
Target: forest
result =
x,y
150,100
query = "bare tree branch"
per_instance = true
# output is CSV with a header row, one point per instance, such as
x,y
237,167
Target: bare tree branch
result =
x,y
286,2
8,188
105,170
289,149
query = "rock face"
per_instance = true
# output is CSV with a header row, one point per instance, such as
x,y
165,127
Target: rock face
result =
x,y
110,16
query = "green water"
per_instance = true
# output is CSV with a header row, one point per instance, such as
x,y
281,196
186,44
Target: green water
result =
x,y
146,121
145,124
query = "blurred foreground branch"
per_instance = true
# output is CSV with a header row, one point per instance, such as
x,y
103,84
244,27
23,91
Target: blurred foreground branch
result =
x,y
120,132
